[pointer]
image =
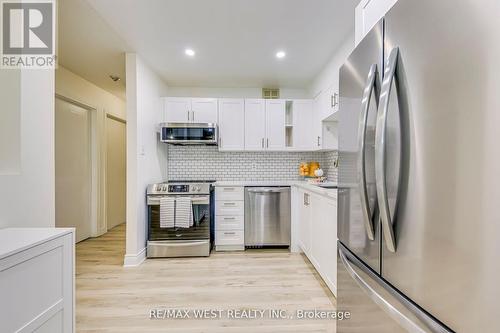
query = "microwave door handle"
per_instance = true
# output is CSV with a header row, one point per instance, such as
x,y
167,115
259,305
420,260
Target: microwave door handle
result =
x,y
370,87
380,151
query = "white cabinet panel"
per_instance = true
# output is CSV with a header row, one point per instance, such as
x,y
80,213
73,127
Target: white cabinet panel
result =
x,y
230,222
303,117
305,222
230,237
177,109
255,124
275,124
317,128
204,110
229,208
229,193
231,124
367,14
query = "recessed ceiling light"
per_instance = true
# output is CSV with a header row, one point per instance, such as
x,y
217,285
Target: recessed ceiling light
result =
x,y
189,52
280,54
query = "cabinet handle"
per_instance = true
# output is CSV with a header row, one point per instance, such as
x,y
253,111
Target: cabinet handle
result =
x,y
262,142
229,203
229,233
306,199
335,102
318,141
188,115
230,218
267,142
193,115
228,189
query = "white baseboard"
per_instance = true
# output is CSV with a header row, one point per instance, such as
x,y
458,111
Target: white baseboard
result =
x,y
132,260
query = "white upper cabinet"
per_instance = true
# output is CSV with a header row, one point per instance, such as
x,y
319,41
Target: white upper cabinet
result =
x,y
367,13
255,124
317,128
302,113
275,124
190,110
177,109
231,124
204,110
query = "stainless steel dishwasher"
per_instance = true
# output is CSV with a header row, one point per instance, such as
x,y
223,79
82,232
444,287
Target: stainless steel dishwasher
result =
x,y
267,216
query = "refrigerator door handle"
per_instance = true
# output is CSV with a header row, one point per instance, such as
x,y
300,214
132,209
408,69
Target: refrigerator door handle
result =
x,y
363,119
397,306
380,145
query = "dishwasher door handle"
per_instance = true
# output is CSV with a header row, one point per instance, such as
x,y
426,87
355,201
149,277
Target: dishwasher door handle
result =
x,y
269,190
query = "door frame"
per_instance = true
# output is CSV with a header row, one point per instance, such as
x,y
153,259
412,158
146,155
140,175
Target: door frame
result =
x,y
98,223
104,164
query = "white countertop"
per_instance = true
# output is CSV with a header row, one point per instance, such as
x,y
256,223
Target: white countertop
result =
x,y
13,240
299,183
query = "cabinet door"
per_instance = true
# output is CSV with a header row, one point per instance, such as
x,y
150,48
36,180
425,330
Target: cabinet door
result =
x,y
255,124
204,110
367,14
177,109
303,117
324,234
275,124
305,222
231,124
317,128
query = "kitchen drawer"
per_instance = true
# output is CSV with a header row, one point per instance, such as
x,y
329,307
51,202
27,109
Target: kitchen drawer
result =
x,y
229,207
229,193
229,222
229,237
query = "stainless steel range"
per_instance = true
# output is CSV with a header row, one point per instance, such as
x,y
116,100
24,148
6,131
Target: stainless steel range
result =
x,y
174,241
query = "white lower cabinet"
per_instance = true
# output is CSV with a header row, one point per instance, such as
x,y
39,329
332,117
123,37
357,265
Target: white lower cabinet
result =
x,y
317,228
37,280
229,218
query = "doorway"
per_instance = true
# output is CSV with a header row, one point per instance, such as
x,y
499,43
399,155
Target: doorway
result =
x,y
116,177
73,167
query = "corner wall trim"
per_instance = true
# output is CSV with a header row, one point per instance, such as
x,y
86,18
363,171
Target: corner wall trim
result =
x,y
133,260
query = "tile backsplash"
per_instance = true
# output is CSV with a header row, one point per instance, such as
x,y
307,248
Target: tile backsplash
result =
x,y
207,163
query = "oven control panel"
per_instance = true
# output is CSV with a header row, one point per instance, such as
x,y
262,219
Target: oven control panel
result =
x,y
178,188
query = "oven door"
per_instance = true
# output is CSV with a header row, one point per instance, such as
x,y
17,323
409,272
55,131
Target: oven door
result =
x,y
179,242
189,133
201,225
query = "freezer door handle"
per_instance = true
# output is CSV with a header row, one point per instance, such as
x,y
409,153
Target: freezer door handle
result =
x,y
397,306
370,88
380,150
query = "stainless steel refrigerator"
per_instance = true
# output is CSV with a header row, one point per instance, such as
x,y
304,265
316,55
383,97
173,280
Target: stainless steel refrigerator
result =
x,y
419,171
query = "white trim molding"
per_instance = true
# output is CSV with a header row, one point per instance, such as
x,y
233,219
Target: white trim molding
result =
x,y
133,260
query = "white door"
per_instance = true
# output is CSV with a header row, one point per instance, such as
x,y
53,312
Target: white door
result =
x,y
73,167
302,124
177,109
231,124
204,110
275,124
255,124
115,172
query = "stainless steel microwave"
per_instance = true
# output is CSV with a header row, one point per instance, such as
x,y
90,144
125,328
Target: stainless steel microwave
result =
x,y
189,133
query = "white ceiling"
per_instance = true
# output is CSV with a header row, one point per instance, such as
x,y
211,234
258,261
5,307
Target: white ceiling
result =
x,y
235,40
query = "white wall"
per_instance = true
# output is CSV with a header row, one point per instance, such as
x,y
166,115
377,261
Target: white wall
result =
x,y
232,92
70,85
146,156
27,196
330,74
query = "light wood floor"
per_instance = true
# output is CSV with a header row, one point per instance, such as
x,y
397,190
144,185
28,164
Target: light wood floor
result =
x,y
111,298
